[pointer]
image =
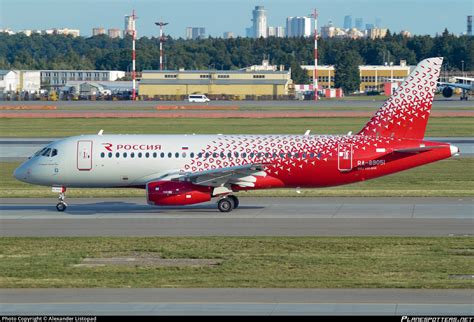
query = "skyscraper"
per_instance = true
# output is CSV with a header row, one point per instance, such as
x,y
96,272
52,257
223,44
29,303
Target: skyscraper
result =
x,y
259,20
347,22
298,26
98,31
195,33
469,25
129,26
114,33
359,23
378,22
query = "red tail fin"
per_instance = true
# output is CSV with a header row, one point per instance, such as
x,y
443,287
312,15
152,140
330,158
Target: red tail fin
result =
x,y
405,114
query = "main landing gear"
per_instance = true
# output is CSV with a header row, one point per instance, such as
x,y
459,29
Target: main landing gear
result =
x,y
228,203
62,205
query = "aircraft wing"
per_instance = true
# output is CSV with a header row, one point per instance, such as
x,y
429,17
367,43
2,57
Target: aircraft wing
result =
x,y
242,175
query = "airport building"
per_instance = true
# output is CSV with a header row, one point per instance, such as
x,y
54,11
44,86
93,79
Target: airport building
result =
x,y
255,82
372,77
58,78
19,81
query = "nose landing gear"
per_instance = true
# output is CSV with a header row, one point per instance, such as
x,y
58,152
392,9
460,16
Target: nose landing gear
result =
x,y
62,205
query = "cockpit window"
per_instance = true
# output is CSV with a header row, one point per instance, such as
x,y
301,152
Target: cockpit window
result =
x,y
39,152
54,152
46,152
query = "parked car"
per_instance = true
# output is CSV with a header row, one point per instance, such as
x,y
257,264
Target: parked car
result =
x,y
197,98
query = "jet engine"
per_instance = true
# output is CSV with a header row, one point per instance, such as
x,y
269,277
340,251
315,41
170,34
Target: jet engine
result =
x,y
171,193
447,91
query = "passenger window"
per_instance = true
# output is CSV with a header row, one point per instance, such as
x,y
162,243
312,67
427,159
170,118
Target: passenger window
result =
x,y
54,152
267,155
110,154
155,154
199,155
102,155
222,155
229,155
311,155
117,155
207,155
132,155
147,155
296,155
215,155
139,154
192,155
183,155
170,155
124,155
304,155
289,155
282,155
251,154
244,155
236,154
176,155
319,155
162,155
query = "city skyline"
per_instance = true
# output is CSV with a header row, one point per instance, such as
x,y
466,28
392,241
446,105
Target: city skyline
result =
x,y
211,14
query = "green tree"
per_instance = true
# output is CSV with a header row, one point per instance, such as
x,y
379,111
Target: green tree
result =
x,y
347,71
299,75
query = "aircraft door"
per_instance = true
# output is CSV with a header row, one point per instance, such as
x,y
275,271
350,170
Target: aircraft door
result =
x,y
84,155
344,157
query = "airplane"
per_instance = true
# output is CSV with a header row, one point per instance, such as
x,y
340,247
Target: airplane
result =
x,y
191,169
467,85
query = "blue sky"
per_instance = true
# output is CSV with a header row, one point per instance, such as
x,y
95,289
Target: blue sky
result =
x,y
417,16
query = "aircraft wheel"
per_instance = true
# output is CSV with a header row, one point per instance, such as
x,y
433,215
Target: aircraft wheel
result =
x,y
235,199
225,205
61,206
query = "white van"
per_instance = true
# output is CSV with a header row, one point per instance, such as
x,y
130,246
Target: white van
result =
x,y
198,98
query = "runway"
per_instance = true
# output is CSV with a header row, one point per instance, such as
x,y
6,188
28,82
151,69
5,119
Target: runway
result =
x,y
235,301
255,217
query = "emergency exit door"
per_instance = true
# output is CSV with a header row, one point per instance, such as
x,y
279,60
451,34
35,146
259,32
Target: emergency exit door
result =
x,y
344,157
84,155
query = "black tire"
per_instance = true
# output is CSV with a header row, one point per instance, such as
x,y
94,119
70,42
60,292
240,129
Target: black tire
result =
x,y
61,206
235,200
225,205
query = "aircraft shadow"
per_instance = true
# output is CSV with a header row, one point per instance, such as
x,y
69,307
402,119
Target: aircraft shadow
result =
x,y
117,208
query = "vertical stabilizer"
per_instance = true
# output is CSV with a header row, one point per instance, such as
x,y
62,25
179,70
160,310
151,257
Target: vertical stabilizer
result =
x,y
405,114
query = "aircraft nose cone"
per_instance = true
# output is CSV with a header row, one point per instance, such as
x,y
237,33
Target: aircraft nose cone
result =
x,y
454,149
21,173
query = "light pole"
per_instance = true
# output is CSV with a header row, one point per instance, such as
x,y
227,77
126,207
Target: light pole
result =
x,y
161,24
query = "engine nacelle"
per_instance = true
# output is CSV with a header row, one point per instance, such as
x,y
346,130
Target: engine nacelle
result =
x,y
447,91
171,193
